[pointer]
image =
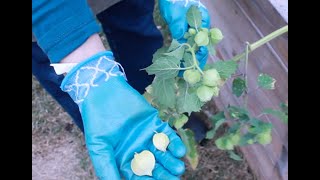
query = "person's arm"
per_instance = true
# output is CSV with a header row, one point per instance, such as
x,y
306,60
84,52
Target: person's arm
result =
x,y
118,121
90,47
61,27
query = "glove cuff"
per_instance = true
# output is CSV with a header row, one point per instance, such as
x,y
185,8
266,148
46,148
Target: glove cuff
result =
x,y
89,74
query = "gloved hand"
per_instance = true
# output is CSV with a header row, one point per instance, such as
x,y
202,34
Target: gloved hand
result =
x,y
174,13
118,121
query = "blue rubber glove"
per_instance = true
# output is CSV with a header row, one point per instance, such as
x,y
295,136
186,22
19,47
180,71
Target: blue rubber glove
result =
x,y
174,13
118,121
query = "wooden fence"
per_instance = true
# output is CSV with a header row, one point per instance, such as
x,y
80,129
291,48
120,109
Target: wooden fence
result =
x,y
249,20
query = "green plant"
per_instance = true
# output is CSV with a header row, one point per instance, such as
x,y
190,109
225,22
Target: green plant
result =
x,y
176,97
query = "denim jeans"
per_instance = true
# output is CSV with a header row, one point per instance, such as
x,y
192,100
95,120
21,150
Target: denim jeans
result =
x,y
133,38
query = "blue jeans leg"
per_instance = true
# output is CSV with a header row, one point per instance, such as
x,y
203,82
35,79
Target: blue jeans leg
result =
x,y
133,37
50,81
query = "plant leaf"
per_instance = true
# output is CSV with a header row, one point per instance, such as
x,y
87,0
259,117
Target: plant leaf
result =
x,y
181,121
210,134
266,82
245,138
234,128
225,68
239,113
194,17
164,92
279,114
188,139
174,45
218,119
177,53
159,53
187,100
238,86
187,59
164,67
258,126
284,107
211,48
234,156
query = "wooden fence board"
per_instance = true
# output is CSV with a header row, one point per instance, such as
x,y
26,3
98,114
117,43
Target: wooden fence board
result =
x,y
249,20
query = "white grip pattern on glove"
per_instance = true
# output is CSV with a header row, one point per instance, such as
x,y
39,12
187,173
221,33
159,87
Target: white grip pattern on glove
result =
x,y
186,2
85,77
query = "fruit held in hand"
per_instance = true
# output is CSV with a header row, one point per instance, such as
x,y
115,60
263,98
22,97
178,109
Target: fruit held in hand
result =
x,y
192,76
161,141
215,35
202,38
143,163
204,93
211,77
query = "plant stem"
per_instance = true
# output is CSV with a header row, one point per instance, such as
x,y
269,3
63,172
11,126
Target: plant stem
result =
x,y
195,61
262,41
186,44
186,68
246,74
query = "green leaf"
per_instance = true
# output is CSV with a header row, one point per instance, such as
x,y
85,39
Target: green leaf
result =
x,y
171,121
225,68
210,134
187,59
211,48
284,107
245,139
234,128
186,35
177,53
191,41
165,67
181,121
164,92
194,17
218,119
174,45
265,81
189,141
224,143
220,115
258,126
188,100
159,53
234,156
279,114
208,66
238,86
238,113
